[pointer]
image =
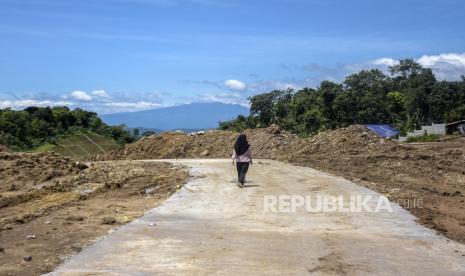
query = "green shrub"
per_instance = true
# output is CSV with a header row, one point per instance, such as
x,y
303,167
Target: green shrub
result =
x,y
424,138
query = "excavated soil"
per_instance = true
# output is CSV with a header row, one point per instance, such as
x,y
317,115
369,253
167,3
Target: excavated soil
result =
x,y
3,148
428,179
19,171
267,143
52,207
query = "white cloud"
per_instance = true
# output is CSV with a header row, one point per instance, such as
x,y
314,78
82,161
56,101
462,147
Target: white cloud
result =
x,y
286,85
113,107
81,96
20,104
98,101
235,84
268,85
385,61
453,59
226,98
100,93
449,66
446,66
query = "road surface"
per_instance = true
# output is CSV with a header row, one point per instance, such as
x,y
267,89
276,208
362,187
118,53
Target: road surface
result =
x,y
212,227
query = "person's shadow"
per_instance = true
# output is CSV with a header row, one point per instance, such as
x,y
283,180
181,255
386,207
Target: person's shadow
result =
x,y
247,183
251,185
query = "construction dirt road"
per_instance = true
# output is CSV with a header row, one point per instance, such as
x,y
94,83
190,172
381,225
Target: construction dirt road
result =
x,y
212,227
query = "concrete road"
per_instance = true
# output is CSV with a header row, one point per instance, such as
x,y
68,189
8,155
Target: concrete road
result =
x,y
212,227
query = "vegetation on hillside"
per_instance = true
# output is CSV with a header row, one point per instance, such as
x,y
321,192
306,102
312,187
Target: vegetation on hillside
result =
x,y
408,96
78,144
36,126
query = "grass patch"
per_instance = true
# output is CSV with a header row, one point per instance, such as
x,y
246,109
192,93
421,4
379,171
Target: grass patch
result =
x,y
424,138
42,148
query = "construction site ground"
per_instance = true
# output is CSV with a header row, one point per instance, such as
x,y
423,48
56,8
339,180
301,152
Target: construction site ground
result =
x,y
428,179
52,207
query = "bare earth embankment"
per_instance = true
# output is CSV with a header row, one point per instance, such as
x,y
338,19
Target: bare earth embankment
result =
x,y
52,207
430,176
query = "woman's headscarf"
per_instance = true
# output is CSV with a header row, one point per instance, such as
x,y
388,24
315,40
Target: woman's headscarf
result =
x,y
241,145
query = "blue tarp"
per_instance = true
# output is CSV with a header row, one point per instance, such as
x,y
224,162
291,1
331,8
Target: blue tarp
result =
x,y
383,130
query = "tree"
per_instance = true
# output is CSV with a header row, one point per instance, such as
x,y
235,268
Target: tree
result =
x,y
407,97
33,126
135,132
328,93
405,68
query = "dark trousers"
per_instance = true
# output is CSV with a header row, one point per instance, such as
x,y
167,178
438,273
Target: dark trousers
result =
x,y
242,168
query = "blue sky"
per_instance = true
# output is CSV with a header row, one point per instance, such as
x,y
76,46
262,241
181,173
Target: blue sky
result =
x,y
126,55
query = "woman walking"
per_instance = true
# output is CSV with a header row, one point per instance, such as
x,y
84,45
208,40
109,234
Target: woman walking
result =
x,y
242,154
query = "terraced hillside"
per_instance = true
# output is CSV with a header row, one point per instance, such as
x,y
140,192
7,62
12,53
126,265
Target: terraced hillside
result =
x,y
80,145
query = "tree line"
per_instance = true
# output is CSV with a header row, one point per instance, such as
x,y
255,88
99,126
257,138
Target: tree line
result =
x,y
33,126
407,96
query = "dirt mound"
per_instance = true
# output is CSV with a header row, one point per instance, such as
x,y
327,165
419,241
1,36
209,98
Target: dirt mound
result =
x,y
354,139
20,170
266,143
4,148
271,142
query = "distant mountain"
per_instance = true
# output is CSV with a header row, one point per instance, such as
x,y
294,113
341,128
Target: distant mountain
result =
x,y
188,116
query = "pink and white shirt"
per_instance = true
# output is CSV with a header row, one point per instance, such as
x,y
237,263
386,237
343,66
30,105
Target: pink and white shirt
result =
x,y
246,157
